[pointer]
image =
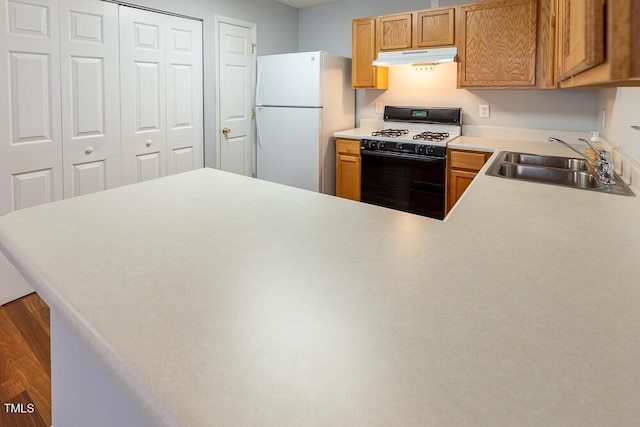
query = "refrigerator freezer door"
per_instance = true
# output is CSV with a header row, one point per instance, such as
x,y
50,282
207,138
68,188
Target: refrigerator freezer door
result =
x,y
290,80
289,146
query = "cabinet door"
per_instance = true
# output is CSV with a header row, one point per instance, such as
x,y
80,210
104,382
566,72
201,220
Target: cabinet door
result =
x,y
580,41
462,168
89,54
348,176
348,169
394,31
363,74
635,41
142,92
458,183
435,28
498,44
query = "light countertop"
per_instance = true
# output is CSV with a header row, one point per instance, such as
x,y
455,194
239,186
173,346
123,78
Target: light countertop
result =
x,y
229,301
355,133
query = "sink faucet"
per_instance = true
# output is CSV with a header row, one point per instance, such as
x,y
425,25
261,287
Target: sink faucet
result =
x,y
604,166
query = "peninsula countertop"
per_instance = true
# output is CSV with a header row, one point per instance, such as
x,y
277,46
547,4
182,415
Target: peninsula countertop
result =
x,y
222,300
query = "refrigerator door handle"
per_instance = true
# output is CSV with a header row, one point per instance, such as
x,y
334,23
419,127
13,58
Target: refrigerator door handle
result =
x,y
259,85
258,132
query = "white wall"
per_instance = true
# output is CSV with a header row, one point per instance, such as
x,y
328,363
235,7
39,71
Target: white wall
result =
x,y
620,108
277,33
328,27
535,109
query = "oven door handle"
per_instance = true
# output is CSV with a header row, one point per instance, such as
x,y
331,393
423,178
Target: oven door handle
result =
x,y
392,155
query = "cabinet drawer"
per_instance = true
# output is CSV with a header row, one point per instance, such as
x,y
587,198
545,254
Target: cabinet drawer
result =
x,y
467,160
348,146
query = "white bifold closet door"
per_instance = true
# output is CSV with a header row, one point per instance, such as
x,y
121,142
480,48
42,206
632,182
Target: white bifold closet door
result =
x,y
92,95
161,94
89,56
30,135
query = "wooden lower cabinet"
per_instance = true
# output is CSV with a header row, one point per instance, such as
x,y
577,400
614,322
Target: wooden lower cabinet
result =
x,y
348,168
462,167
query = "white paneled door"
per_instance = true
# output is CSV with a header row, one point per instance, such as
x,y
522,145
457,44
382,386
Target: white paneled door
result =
x,y
185,149
93,95
236,77
30,137
142,94
89,53
161,94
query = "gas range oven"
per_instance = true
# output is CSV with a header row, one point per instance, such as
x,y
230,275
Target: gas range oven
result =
x,y
403,166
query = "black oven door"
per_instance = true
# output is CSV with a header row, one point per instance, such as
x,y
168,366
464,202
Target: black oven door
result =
x,y
406,182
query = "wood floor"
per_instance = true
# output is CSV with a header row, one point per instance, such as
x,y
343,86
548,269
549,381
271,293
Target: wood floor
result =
x,y
25,363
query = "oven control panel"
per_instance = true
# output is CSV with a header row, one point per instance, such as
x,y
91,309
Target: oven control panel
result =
x,y
403,147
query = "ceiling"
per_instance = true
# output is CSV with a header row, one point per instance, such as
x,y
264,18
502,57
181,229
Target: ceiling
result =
x,y
304,3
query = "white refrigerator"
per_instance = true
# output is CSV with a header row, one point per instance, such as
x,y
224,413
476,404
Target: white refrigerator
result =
x,y
301,100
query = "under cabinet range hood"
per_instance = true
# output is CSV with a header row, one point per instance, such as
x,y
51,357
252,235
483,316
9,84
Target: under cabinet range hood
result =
x,y
416,57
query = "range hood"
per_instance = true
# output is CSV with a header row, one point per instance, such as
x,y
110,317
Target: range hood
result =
x,y
416,57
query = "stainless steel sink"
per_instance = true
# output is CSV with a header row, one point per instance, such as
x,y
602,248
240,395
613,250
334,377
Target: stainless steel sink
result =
x,y
563,171
549,161
549,175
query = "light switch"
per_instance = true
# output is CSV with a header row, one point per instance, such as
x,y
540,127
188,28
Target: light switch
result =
x,y
379,107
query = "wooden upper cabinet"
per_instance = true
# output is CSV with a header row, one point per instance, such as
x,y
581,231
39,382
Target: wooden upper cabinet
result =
x,y
419,29
597,43
635,41
497,46
395,31
363,43
581,36
434,28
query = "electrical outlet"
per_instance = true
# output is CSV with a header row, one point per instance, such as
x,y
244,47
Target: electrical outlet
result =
x,y
379,107
604,118
484,111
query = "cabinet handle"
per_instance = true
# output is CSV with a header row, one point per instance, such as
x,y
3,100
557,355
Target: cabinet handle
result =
x,y
635,127
149,142
88,150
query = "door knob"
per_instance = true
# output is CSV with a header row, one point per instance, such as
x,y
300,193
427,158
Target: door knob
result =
x,y
226,131
148,143
88,150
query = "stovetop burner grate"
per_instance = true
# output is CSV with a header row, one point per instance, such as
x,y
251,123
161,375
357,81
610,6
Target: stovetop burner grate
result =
x,y
390,133
431,136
